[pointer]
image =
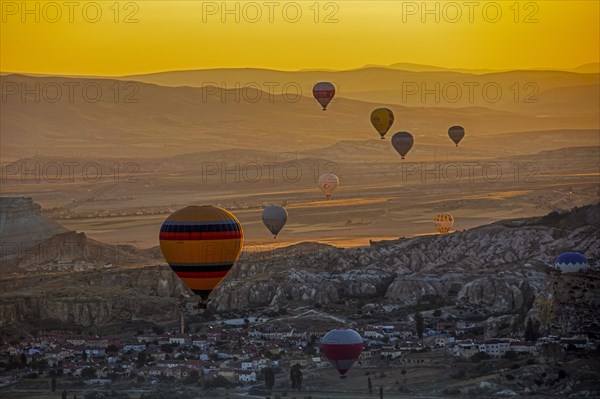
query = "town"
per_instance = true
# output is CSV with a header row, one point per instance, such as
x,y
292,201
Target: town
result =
x,y
241,352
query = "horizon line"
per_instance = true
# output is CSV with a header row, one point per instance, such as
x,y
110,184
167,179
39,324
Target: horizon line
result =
x,y
394,66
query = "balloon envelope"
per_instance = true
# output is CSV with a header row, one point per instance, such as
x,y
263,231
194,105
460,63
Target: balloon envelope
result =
x,y
571,262
456,133
274,217
342,348
201,244
443,223
402,142
382,119
328,183
324,92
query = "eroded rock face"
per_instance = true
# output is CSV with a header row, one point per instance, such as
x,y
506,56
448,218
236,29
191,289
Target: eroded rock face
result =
x,y
95,297
500,267
22,226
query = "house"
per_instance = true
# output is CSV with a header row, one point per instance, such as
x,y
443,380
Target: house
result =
x,y
495,347
574,343
528,348
372,334
390,351
424,358
465,349
133,348
247,365
179,339
247,376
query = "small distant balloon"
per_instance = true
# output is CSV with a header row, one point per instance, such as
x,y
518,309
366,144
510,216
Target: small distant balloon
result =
x,y
456,134
571,262
443,223
328,183
274,217
324,92
382,120
402,142
342,348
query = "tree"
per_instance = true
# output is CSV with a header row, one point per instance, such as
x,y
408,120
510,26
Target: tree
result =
x,y
547,315
88,372
296,376
269,378
531,331
419,324
437,313
370,384
141,360
53,384
511,355
192,377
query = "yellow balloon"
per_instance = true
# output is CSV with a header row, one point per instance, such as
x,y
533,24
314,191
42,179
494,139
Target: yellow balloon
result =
x,y
382,120
201,244
443,223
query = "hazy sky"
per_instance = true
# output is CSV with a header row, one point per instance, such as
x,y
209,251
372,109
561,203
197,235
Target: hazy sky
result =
x,y
99,38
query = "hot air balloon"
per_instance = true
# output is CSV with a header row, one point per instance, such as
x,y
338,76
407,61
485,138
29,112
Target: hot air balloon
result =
x,y
402,142
382,119
328,183
342,347
201,244
274,217
324,92
571,262
456,133
443,223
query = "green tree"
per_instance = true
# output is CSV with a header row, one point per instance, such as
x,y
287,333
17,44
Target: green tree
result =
x,y
531,331
269,378
296,376
192,378
88,372
141,360
419,324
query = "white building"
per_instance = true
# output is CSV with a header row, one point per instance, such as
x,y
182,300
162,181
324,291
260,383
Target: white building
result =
x,y
247,376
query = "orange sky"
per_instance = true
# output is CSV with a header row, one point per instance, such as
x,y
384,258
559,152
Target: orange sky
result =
x,y
99,38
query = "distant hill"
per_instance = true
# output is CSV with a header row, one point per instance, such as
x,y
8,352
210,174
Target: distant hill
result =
x,y
209,119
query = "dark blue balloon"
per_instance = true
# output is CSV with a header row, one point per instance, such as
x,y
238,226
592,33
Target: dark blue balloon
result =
x,y
571,262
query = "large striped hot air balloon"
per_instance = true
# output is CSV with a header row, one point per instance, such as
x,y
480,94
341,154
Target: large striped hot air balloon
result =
x,y
342,347
201,244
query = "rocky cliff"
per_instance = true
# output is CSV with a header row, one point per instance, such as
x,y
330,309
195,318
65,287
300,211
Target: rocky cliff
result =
x,y
497,268
495,271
